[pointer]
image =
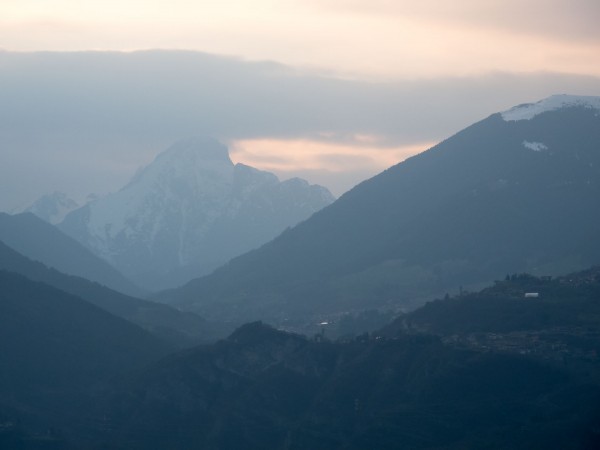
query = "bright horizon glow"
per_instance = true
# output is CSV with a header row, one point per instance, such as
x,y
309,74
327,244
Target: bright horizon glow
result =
x,y
380,39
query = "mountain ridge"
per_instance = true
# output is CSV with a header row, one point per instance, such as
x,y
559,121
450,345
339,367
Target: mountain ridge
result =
x,y
171,325
40,241
475,206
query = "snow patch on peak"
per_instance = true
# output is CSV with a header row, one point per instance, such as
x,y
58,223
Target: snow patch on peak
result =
x,y
530,110
52,207
535,146
194,170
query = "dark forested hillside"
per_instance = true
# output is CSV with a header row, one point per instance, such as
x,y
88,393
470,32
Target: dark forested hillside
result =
x,y
519,302
513,366
266,389
548,318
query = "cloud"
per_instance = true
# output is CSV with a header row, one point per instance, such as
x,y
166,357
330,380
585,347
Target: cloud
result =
x,y
346,160
83,122
339,165
168,94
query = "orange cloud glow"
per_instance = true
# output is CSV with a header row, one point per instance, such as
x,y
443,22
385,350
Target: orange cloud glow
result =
x,y
311,159
283,155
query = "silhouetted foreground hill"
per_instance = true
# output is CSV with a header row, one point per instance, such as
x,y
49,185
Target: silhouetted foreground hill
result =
x,y
178,327
509,193
58,353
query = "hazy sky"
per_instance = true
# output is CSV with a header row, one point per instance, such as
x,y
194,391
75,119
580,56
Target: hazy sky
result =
x,y
331,90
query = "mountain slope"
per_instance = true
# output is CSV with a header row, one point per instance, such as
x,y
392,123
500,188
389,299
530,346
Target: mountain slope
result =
x,y
180,328
503,195
58,353
40,241
190,211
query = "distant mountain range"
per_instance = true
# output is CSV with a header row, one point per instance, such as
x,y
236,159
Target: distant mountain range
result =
x,y
179,328
188,212
518,191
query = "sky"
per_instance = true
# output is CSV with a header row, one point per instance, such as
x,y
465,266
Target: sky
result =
x,y
333,91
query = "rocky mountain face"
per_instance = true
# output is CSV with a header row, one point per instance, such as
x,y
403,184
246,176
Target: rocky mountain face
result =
x,y
517,191
53,207
190,211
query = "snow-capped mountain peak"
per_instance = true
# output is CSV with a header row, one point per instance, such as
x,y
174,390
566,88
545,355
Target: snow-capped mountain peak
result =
x,y
191,207
528,111
52,207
